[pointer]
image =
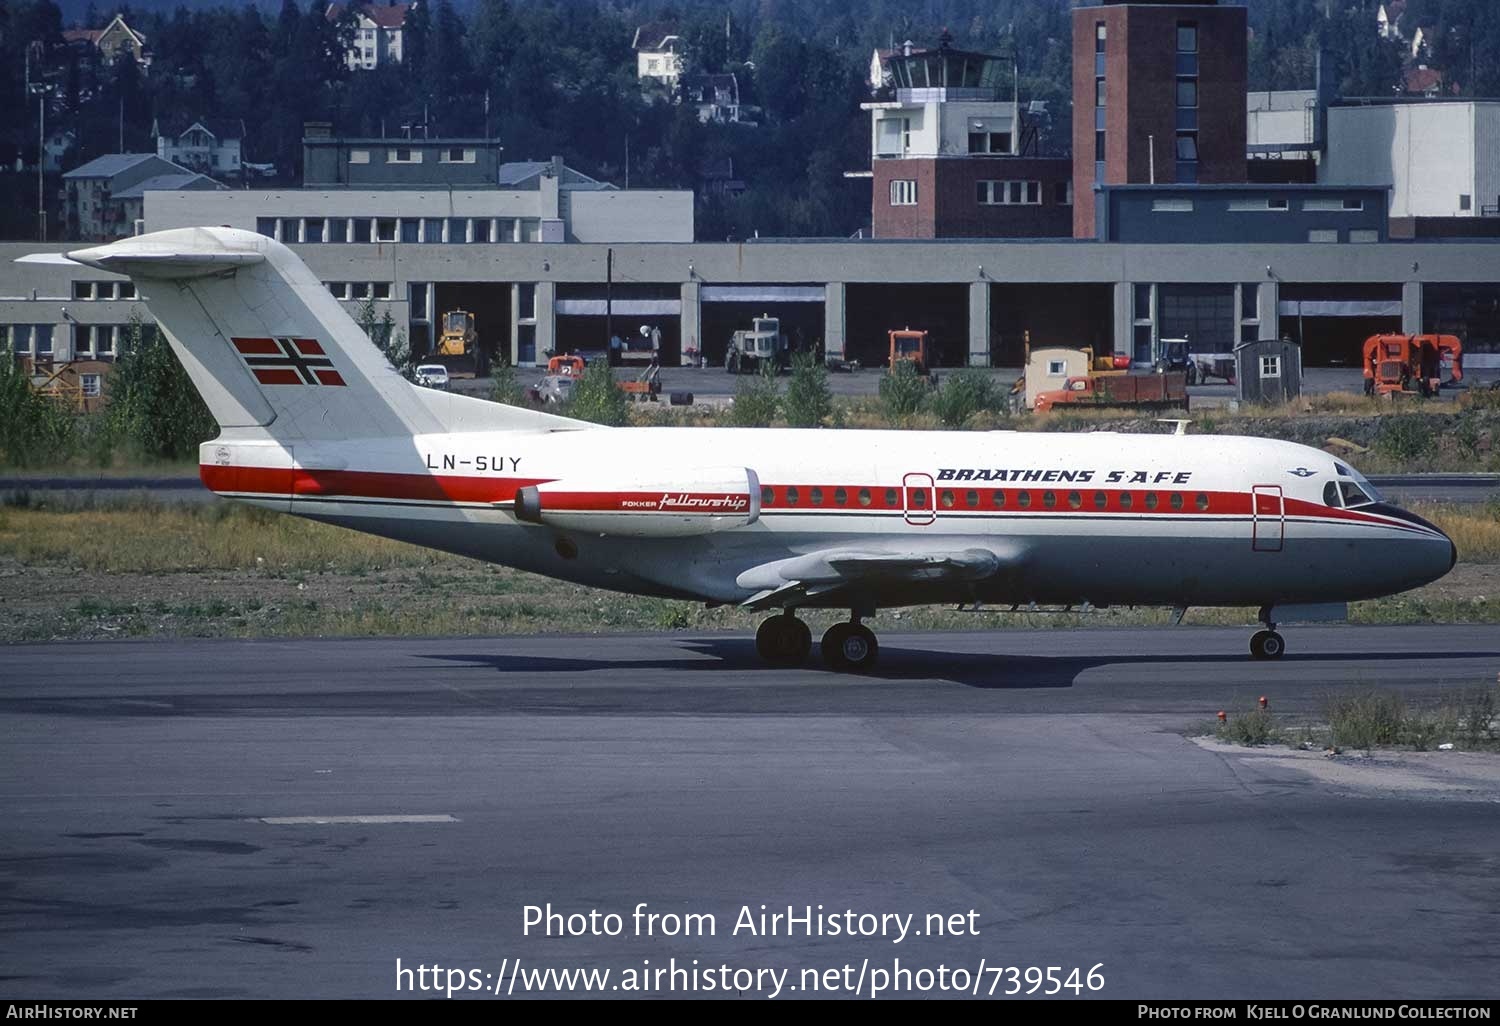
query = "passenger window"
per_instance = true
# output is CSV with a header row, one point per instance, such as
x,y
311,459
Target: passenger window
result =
x,y
1000,497
971,498
841,497
791,496
1023,499
1150,500
919,498
1177,500
1049,499
1331,495
864,496
891,498
1075,500
767,495
947,499
816,496
1125,500
1201,501
1101,500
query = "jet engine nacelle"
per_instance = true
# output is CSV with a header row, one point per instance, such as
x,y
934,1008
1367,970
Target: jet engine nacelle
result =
x,y
680,506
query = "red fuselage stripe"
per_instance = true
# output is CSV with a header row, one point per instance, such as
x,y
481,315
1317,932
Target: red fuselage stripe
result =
x,y
274,482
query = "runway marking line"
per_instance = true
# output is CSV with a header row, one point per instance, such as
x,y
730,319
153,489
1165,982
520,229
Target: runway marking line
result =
x,y
343,820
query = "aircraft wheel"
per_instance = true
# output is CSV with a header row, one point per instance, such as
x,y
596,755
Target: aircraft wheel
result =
x,y
1267,645
850,648
783,640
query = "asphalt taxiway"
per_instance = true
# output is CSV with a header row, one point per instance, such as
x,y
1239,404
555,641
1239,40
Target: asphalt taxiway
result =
x,y
288,818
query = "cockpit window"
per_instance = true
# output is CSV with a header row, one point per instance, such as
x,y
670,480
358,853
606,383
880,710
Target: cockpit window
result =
x,y
1331,495
1357,490
1353,496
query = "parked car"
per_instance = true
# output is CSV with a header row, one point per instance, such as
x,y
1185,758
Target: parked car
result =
x,y
432,375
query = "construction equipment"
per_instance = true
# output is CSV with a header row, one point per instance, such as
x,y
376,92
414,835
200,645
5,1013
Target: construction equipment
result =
x,y
1164,390
763,344
458,346
645,388
912,347
1410,364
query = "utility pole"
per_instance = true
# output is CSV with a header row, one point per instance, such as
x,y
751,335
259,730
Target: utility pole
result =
x,y
609,305
41,91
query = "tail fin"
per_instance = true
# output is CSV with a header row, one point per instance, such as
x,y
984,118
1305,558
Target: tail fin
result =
x,y
268,346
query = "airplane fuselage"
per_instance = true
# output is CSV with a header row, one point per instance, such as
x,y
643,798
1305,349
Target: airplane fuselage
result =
x,y
1101,518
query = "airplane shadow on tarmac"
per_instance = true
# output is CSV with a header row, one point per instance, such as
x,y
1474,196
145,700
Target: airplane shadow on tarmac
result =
x,y
1002,671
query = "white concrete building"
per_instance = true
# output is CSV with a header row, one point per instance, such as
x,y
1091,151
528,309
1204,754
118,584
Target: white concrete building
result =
x,y
942,103
1281,122
1440,158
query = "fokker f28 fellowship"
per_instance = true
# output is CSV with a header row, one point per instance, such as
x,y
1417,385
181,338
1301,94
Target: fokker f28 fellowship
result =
x,y
315,422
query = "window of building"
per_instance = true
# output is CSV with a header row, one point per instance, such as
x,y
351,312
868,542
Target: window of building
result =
x,y
42,335
125,290
1187,92
989,142
359,156
1187,37
107,342
432,230
1326,205
1465,201
83,340
1142,301
1099,92
1056,367
1354,204
403,155
1277,203
531,229
380,290
1270,366
1323,235
339,289
385,229
266,226
1033,193
338,230
458,229
1172,205
1098,147
1250,302
1363,235
411,229
312,230
457,155
1062,193
1100,36
89,383
903,192
505,230
893,137
1187,145
359,290
481,229
83,290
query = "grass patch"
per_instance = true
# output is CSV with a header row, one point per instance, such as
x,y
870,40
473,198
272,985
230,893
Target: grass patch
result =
x,y
1253,728
1381,719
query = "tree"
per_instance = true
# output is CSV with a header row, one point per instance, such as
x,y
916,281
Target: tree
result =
x,y
153,406
808,402
596,398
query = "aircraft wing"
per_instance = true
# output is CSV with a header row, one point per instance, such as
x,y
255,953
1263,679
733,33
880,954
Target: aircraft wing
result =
x,y
786,581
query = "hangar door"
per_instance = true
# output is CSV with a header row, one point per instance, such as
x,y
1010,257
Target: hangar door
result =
x,y
1332,321
731,308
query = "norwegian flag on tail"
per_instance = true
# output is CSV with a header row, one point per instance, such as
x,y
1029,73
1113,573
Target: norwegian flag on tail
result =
x,y
287,361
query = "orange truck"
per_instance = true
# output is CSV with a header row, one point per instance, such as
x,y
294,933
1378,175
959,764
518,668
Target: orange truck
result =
x,y
912,347
1410,364
1166,391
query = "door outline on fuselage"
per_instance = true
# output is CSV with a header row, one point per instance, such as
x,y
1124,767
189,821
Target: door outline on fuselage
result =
x,y
919,487
1267,507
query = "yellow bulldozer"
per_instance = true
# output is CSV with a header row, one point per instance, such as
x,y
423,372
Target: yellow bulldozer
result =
x,y
458,346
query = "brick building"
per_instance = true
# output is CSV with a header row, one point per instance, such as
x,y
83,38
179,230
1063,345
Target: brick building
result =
x,y
1158,96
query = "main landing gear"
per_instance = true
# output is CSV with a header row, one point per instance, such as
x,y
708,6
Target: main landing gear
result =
x,y
784,640
1267,644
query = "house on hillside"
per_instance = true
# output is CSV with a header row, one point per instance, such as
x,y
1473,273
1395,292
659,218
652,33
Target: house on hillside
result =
x,y
659,54
209,146
715,97
112,40
378,30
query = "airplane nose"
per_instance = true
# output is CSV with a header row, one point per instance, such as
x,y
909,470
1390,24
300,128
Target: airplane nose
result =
x,y
1432,565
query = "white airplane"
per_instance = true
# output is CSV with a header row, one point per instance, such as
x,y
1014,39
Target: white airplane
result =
x,y
316,423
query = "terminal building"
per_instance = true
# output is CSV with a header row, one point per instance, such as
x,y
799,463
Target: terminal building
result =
x,y
1172,241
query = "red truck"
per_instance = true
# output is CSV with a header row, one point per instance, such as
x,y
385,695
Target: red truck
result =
x,y
1166,391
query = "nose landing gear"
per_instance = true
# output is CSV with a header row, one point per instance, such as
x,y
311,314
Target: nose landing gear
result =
x,y
1267,644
